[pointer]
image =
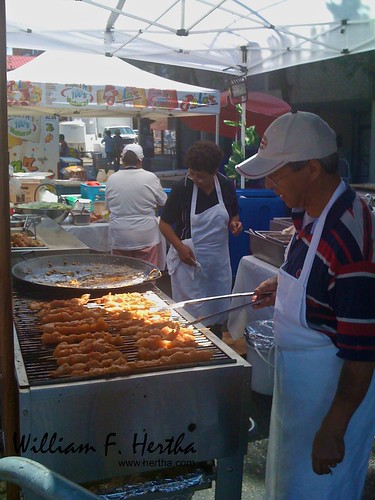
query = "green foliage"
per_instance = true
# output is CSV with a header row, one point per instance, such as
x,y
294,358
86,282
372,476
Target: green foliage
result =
x,y
17,166
251,139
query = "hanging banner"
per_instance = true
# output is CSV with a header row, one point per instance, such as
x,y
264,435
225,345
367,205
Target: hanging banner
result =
x,y
90,97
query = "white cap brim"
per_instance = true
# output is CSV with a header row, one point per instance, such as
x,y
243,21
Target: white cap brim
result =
x,y
257,167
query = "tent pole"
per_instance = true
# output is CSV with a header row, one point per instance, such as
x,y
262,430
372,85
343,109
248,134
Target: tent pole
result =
x,y
243,125
9,400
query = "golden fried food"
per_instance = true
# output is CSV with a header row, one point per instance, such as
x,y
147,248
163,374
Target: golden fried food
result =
x,y
21,240
56,337
89,340
77,326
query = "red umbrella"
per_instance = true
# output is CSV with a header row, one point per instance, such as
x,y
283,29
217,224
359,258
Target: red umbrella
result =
x,y
261,110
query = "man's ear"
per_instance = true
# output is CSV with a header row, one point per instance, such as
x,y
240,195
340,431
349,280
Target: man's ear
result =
x,y
315,168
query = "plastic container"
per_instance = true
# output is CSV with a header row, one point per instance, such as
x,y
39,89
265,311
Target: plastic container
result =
x,y
83,204
257,207
261,356
93,193
79,218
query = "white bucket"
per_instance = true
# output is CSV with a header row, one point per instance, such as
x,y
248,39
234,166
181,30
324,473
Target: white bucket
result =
x,y
262,361
262,373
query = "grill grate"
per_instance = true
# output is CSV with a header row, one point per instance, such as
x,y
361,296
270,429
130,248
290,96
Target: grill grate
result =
x,y
39,361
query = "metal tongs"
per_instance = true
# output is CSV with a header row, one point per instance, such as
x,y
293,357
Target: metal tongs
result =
x,y
246,304
179,305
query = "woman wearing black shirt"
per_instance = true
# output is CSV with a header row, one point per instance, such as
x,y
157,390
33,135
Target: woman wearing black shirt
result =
x,y
200,209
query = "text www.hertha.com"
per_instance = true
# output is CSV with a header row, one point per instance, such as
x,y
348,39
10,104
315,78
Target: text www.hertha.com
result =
x,y
155,463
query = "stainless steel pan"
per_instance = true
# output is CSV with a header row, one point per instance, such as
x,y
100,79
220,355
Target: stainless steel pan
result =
x,y
85,272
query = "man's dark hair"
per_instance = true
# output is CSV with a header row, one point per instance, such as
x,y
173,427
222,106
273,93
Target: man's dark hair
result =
x,y
329,163
204,156
129,158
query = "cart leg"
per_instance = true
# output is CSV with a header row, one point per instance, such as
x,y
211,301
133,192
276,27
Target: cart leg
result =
x,y
229,478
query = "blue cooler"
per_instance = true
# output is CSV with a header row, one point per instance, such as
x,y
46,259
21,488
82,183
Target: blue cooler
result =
x,y
257,207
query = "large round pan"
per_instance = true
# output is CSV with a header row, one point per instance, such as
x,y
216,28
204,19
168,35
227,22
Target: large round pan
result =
x,y
85,271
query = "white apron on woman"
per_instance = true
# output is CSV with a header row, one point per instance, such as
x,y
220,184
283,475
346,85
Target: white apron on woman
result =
x,y
213,275
306,378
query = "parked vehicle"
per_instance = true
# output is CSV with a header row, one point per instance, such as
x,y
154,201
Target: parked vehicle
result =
x,y
127,133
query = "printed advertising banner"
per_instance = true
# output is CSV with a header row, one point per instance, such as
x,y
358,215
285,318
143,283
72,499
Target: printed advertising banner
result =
x,y
101,86
33,143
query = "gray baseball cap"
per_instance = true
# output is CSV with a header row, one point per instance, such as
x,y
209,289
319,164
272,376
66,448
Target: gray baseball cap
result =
x,y
291,137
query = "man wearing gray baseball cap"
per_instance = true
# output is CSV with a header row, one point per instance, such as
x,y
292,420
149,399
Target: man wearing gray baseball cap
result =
x,y
323,412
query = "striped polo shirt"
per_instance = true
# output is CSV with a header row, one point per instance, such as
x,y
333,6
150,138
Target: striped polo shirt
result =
x,y
340,298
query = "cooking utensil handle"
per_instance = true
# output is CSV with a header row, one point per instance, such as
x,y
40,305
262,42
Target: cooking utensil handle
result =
x,y
154,274
202,318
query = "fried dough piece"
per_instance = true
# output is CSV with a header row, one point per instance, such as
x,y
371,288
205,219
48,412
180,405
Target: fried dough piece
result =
x,y
168,331
53,304
175,358
56,337
66,315
101,345
73,359
76,326
158,342
92,368
147,354
122,301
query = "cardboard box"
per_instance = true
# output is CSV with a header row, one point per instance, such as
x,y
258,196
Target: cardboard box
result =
x,y
26,192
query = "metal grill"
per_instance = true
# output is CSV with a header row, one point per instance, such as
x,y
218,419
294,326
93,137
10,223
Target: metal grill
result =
x,y
39,361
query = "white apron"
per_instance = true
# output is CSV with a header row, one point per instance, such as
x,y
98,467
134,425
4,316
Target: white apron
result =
x,y
307,371
213,275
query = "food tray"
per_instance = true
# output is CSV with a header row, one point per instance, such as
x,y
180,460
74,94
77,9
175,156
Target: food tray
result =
x,y
28,234
269,245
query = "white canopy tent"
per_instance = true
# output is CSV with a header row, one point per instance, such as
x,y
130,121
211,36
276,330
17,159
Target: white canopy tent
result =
x,y
82,84
230,36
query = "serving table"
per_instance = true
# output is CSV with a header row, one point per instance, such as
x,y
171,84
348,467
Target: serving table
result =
x,y
94,235
251,271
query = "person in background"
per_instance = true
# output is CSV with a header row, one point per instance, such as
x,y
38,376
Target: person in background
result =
x,y
109,148
199,210
118,148
323,412
132,197
63,146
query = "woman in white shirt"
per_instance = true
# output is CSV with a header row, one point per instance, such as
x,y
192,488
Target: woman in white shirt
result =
x,y
132,198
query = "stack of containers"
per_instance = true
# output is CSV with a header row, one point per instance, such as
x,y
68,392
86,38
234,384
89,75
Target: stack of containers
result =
x,y
93,192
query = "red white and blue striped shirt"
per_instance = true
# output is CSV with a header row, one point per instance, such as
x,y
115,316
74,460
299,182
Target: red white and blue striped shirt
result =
x,y
340,298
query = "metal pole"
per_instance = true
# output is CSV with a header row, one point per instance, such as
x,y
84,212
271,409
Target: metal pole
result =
x,y
9,400
217,128
243,125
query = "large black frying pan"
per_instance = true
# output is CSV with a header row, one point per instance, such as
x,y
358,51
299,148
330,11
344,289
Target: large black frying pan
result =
x,y
85,272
